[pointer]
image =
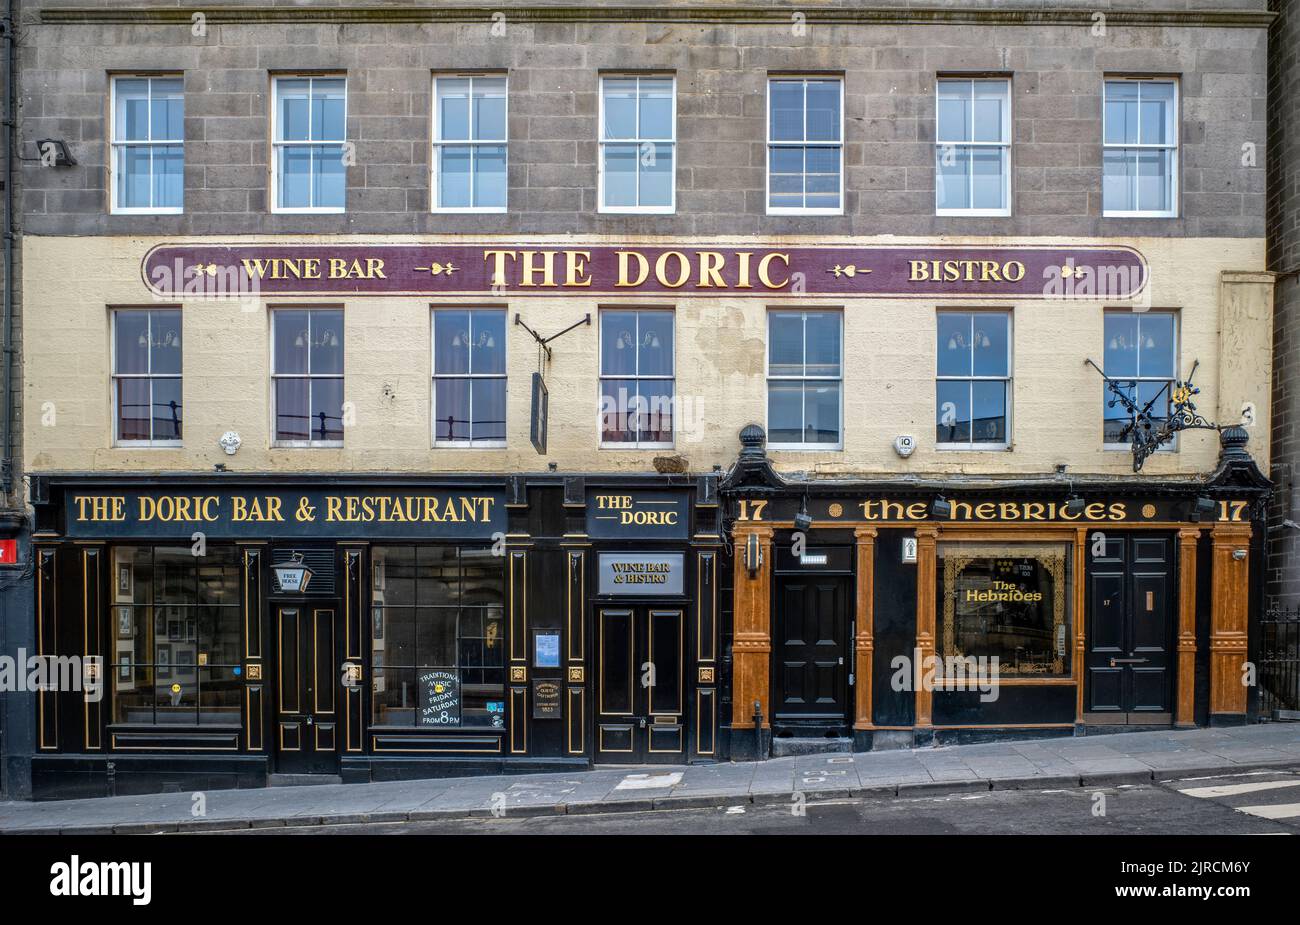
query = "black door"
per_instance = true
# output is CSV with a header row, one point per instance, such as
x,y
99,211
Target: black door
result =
x,y
306,689
640,702
1130,629
810,650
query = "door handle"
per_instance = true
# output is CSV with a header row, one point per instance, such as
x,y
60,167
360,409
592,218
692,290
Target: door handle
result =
x,y
641,721
308,720
1128,661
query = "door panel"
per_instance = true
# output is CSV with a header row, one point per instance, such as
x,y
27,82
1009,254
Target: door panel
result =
x,y
640,707
306,718
1129,667
811,640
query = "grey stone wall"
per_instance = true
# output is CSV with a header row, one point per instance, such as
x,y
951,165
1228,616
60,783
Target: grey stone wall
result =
x,y
721,69
1283,564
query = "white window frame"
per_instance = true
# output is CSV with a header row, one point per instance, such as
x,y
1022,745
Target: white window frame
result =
x,y
275,433
276,146
601,376
1171,446
469,444
114,376
767,131
768,378
1005,145
1172,148
971,446
435,176
116,147
601,142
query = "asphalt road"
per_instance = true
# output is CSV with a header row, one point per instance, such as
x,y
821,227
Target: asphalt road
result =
x,y
1261,803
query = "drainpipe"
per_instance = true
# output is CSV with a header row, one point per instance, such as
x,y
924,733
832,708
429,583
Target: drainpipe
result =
x,y
9,28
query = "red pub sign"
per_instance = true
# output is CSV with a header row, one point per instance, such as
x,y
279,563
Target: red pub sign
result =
x,y
712,270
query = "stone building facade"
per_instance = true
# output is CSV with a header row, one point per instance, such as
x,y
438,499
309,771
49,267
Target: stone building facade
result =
x,y
888,238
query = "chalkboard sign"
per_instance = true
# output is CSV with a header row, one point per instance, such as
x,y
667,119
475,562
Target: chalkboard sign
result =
x,y
439,698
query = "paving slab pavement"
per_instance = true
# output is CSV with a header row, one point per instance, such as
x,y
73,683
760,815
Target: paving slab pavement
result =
x,y
1097,760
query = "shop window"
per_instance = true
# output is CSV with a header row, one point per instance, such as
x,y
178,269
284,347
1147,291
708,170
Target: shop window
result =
x,y
638,150
309,128
805,150
438,630
307,376
973,380
1009,601
469,377
175,625
1141,355
148,148
636,378
972,161
469,144
1140,148
804,380
147,401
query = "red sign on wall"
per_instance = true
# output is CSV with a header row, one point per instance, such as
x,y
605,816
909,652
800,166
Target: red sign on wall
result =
x,y
8,552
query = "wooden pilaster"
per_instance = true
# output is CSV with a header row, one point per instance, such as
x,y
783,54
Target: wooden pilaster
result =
x,y
864,617
1229,596
926,570
1185,679
752,639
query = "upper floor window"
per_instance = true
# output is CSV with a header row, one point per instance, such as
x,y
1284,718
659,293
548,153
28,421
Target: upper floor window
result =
x,y
1140,148
469,144
148,156
972,159
147,377
307,376
469,377
638,150
1141,355
636,378
805,150
308,133
973,381
804,380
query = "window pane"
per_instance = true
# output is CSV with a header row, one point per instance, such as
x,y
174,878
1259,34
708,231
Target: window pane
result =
x,y
175,706
952,411
294,123
952,177
620,175
823,110
131,118
451,339
991,334
620,406
437,574
1153,186
655,420
489,176
822,182
954,111
133,409
221,693
454,177
655,347
165,347
167,409
989,423
295,177
1156,344
219,632
489,407
785,122
785,343
1120,355
954,344
291,337
787,160
132,692
131,342
657,177
327,409
1121,112
328,112
988,178
822,332
656,109
168,109
618,343
1117,186
785,412
292,421
453,109
489,342
326,343
394,576
490,109
1157,113
821,412
451,409
620,107
1155,394
1114,417
329,177
134,181
394,696
399,636
169,176
435,637
991,101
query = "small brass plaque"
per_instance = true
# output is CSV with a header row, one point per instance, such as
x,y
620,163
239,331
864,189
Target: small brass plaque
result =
x,y
576,674
254,672
706,674
518,673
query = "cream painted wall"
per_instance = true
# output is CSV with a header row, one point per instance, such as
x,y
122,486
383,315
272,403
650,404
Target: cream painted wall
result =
x,y
70,282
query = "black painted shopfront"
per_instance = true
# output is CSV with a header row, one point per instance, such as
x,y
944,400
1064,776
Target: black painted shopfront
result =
x,y
373,627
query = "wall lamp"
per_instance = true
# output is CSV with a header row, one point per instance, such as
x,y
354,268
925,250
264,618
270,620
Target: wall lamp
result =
x,y
803,520
1074,505
941,507
1203,507
753,554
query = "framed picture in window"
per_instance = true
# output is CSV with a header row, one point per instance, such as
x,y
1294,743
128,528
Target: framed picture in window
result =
x,y
163,663
125,582
174,629
125,667
378,613
125,625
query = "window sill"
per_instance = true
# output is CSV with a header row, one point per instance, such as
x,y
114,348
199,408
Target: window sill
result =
x,y
637,446
807,447
1106,214
148,445
974,447
640,210
117,211
973,213
485,210
470,445
780,211
329,211
307,445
